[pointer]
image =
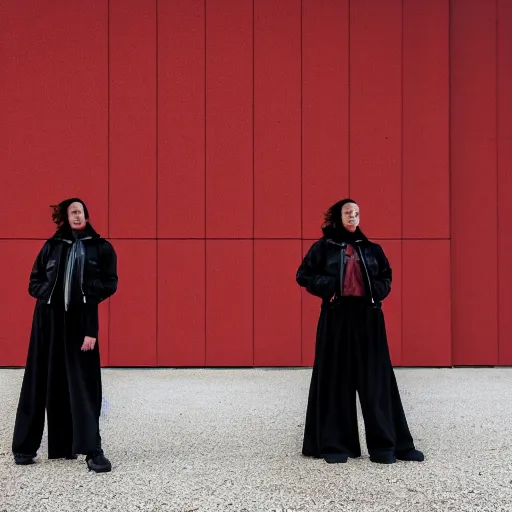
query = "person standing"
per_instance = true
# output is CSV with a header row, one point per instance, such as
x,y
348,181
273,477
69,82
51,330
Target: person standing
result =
x,y
352,276
75,270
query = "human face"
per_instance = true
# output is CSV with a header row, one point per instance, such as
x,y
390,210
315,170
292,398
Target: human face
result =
x,y
76,216
350,216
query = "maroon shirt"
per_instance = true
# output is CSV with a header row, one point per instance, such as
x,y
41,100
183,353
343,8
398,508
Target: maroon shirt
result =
x,y
353,277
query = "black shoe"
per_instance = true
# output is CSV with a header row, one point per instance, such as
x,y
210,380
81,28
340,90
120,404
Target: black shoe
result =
x,y
383,458
410,455
23,459
98,462
336,458
71,457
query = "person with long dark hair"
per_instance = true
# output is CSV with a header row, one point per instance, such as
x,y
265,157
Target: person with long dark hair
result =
x,y
75,270
352,276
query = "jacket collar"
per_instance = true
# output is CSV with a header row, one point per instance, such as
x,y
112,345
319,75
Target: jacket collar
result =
x,y
65,234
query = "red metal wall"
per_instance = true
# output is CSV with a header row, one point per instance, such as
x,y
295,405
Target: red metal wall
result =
x,y
208,137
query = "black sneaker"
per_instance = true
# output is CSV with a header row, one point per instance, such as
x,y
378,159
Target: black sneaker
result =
x,y
383,457
336,458
23,459
98,462
410,455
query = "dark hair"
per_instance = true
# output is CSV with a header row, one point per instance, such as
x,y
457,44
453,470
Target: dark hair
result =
x,y
60,211
332,217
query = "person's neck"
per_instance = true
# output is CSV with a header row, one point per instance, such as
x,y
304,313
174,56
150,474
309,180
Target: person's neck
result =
x,y
78,233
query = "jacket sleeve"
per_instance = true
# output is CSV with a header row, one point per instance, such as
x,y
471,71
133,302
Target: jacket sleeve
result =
x,y
90,319
38,282
310,276
106,286
382,284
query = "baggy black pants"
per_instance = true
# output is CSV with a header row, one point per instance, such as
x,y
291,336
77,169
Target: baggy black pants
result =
x,y
63,381
352,355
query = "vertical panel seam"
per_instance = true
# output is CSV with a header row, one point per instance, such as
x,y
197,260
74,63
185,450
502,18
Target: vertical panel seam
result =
x,y
349,90
450,178
497,184
450,28
253,190
157,319
402,191
108,168
301,125
108,118
301,162
205,218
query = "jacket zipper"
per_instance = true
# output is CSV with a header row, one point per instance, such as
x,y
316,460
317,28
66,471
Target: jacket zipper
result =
x,y
360,252
366,272
55,283
82,273
81,277
57,274
342,262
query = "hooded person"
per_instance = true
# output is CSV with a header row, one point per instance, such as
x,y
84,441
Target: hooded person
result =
x,y
352,276
75,270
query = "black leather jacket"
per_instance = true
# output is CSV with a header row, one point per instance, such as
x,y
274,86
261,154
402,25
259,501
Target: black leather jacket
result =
x,y
321,271
99,280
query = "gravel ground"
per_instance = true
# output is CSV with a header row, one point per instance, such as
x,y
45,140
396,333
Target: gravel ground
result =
x,y
230,440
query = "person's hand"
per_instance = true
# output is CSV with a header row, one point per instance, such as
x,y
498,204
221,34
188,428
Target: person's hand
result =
x,y
88,343
333,298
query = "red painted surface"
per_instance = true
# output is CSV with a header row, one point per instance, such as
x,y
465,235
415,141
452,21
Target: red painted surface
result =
x,y
504,180
277,119
392,306
17,256
229,120
325,108
376,114
474,195
181,302
133,314
132,166
181,119
277,303
210,164
53,112
426,319
104,332
310,311
426,120
229,323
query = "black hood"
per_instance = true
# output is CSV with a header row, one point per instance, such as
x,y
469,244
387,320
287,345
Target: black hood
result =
x,y
339,234
66,233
